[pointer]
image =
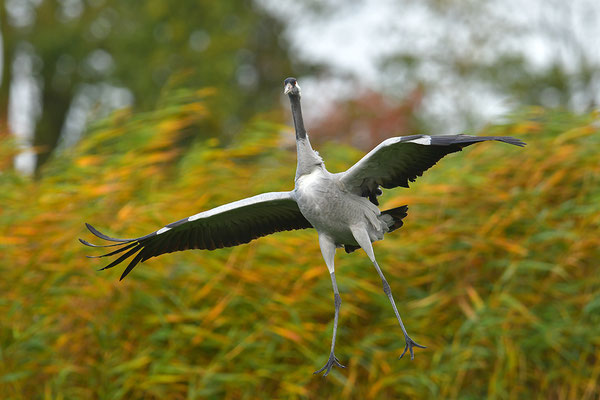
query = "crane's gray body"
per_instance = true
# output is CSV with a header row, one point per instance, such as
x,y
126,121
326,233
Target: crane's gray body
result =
x,y
333,210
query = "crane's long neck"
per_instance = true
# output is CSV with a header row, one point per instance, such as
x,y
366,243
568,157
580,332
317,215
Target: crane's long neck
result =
x,y
297,115
308,159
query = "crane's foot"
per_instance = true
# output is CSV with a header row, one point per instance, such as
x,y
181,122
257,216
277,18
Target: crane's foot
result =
x,y
332,362
409,346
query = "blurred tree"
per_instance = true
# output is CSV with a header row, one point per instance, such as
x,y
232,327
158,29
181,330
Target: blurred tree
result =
x,y
113,53
4,73
474,60
367,120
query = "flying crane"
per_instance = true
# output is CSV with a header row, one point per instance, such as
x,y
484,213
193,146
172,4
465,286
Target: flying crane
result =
x,y
342,207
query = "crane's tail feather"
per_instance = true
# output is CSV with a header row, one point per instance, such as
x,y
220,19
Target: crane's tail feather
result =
x,y
397,215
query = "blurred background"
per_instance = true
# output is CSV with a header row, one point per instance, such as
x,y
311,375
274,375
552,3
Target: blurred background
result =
x,y
130,115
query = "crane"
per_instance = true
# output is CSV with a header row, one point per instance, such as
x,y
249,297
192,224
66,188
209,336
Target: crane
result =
x,y
342,207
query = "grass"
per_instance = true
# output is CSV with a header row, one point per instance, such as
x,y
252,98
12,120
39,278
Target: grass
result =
x,y
495,271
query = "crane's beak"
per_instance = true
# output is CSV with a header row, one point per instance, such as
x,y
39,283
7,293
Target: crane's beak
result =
x,y
293,88
288,88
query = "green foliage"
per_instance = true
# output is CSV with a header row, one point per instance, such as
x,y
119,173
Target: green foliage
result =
x,y
146,47
495,271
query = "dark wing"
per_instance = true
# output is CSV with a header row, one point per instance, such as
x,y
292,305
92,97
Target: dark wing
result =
x,y
225,226
396,161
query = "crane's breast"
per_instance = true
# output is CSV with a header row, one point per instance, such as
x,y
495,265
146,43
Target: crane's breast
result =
x,y
332,210
313,192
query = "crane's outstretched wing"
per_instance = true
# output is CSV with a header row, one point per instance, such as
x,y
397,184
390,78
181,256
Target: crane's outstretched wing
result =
x,y
225,226
398,160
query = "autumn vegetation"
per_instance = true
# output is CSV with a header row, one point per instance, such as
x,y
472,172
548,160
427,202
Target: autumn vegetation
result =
x,y
495,271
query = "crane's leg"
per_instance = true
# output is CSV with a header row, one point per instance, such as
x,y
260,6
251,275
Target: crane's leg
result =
x,y
362,238
328,249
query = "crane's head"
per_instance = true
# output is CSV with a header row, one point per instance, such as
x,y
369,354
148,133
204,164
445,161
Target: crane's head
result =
x,y
290,86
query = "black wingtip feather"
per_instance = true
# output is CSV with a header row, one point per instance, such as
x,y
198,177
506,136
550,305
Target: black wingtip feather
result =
x,y
85,242
517,142
120,250
467,140
123,257
131,265
103,236
508,139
